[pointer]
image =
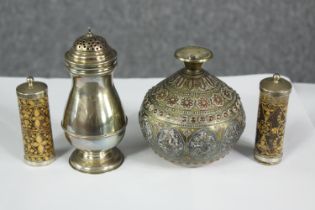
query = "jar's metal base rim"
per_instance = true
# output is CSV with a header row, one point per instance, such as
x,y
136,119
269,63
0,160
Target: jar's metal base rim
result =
x,y
44,163
267,160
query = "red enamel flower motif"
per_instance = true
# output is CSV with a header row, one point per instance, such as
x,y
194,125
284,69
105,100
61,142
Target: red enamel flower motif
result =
x,y
161,94
203,103
217,100
227,93
172,100
187,102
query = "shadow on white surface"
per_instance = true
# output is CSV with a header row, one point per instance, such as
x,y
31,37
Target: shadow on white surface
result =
x,y
133,141
245,148
234,182
62,146
294,139
11,137
134,145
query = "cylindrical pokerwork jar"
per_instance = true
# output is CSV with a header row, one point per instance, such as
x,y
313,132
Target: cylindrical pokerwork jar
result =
x,y
35,122
272,110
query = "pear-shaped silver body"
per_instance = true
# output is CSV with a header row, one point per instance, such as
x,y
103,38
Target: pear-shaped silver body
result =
x,y
192,118
94,121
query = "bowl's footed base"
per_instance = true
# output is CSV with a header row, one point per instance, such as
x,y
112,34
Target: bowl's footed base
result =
x,y
193,164
96,162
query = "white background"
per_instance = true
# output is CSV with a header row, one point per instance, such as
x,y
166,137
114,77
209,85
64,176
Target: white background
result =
x,y
146,181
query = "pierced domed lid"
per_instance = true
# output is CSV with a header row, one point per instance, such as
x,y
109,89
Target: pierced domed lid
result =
x,y
90,55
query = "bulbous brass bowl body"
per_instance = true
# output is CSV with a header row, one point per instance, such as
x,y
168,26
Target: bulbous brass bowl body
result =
x,y
192,118
94,121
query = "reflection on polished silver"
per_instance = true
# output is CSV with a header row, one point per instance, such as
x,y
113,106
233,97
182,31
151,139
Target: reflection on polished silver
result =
x,y
94,121
96,162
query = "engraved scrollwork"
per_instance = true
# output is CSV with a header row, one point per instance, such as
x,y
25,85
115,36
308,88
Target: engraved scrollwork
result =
x,y
203,83
170,142
231,135
202,144
146,129
227,93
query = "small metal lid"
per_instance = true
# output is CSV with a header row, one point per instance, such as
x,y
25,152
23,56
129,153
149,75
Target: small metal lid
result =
x,y
31,89
193,58
193,54
90,55
276,85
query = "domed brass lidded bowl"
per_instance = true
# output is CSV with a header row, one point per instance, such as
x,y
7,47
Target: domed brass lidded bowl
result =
x,y
94,121
192,118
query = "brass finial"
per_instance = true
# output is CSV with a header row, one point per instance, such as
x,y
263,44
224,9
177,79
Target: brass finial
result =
x,y
30,81
193,56
89,33
276,77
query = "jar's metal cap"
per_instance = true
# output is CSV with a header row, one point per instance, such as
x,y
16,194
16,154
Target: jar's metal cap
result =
x,y
275,85
193,54
31,89
193,58
90,55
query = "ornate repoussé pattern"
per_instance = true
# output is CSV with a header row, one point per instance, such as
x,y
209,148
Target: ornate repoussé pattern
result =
x,y
36,130
191,120
270,125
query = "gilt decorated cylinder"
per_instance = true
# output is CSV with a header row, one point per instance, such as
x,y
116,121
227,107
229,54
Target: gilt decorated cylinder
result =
x,y
35,123
271,120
